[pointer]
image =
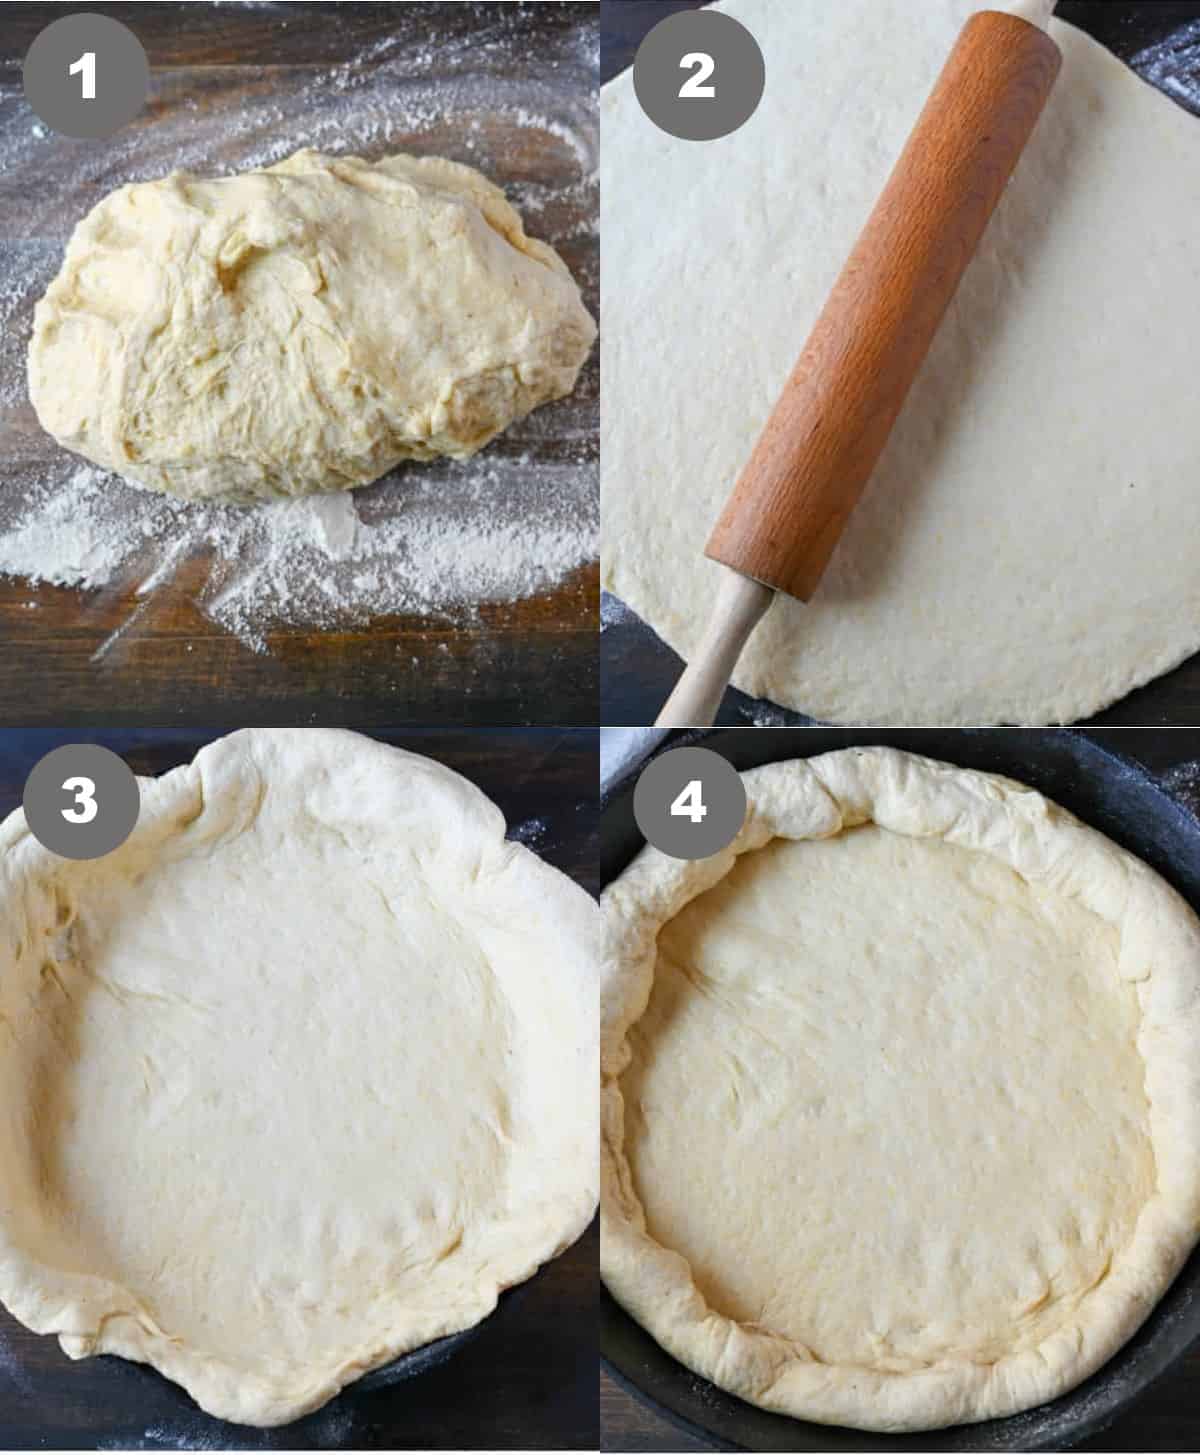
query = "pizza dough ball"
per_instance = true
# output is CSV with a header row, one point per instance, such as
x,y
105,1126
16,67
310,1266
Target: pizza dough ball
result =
x,y
302,328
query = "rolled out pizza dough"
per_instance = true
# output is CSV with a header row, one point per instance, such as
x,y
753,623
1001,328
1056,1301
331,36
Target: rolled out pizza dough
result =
x,y
296,1080
1029,548
900,1098
301,328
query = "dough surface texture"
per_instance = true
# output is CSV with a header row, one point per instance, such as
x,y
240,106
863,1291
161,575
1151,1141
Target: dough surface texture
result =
x,y
1028,550
297,1079
302,328
900,1101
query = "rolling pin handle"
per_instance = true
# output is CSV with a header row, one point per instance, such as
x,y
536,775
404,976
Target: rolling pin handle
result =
x,y
738,609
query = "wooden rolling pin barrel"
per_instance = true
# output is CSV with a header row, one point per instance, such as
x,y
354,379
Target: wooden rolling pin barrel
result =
x,y
825,435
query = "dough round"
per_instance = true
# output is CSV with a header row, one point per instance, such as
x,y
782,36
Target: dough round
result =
x,y
298,1079
900,1099
301,328
1027,551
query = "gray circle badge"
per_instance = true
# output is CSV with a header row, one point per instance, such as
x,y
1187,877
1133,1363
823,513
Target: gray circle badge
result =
x,y
81,801
689,803
86,75
699,74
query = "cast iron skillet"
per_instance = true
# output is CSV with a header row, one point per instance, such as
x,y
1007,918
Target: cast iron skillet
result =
x,y
1103,790
407,1366
429,1356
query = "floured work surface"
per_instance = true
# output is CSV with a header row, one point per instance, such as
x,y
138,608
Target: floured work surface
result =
x,y
464,588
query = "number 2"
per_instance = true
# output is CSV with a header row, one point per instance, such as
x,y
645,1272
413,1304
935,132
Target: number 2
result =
x,y
86,808
87,64
704,67
689,803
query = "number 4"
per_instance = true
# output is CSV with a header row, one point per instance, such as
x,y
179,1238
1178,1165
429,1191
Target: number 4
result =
x,y
704,67
87,64
689,804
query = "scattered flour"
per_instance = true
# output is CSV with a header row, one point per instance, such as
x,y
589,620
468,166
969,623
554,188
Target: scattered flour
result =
x,y
439,543
1182,782
25,272
58,541
332,1428
613,611
12,1372
1173,65
440,540
530,832
766,714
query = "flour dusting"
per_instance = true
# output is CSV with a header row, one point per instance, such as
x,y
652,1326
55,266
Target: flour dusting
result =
x,y
1182,782
1173,65
333,1427
12,1371
766,714
613,611
530,832
439,540
440,544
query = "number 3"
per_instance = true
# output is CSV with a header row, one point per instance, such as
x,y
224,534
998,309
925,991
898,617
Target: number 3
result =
x,y
86,808
704,67
689,803
87,64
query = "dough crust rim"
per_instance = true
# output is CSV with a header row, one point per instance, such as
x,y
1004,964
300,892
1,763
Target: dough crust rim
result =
x,y
818,798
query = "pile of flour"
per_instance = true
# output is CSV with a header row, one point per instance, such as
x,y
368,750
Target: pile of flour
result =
x,y
436,543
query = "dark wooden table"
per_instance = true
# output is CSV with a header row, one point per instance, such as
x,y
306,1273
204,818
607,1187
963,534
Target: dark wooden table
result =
x,y
528,1380
637,670
242,78
1168,1416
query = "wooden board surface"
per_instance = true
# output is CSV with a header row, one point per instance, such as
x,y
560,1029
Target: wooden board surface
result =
x,y
528,1381
510,89
637,669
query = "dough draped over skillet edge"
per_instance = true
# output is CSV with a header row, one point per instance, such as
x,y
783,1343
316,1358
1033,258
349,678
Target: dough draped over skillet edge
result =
x,y
334,1297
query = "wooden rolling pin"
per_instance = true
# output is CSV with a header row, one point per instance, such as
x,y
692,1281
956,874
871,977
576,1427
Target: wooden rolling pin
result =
x,y
828,430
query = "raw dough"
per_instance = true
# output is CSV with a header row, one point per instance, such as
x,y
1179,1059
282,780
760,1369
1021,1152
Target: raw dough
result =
x,y
1029,549
901,1104
296,1080
301,328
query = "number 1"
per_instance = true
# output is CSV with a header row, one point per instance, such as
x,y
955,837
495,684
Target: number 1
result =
x,y
87,64
704,67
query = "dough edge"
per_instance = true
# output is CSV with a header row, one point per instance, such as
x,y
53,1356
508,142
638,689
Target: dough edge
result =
x,y
92,1315
818,798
